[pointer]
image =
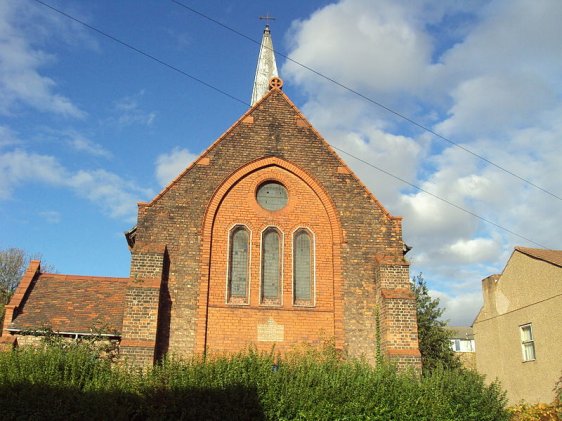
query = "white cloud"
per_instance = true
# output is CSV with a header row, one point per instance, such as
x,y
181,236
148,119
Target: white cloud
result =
x,y
387,151
379,39
130,111
506,73
461,309
82,144
490,104
182,40
114,195
494,87
18,166
511,36
8,137
21,61
170,165
52,217
474,250
118,197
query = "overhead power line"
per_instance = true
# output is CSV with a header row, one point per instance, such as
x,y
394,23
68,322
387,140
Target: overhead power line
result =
x,y
372,101
169,66
437,197
129,46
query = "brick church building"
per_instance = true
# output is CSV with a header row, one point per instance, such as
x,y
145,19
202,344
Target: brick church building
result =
x,y
267,239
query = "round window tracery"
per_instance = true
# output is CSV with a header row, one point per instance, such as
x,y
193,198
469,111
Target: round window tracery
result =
x,y
272,196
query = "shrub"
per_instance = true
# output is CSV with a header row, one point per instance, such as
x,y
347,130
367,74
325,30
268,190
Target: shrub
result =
x,y
540,411
534,412
75,383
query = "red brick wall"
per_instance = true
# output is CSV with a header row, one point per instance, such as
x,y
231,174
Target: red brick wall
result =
x,y
182,218
233,327
142,303
397,306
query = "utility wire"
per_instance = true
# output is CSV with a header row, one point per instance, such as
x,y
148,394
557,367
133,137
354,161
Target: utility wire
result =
x,y
518,309
437,197
372,101
137,50
163,63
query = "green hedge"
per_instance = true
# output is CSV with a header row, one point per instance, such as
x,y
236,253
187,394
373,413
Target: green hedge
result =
x,y
74,384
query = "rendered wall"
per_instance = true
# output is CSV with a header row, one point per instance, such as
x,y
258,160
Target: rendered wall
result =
x,y
529,291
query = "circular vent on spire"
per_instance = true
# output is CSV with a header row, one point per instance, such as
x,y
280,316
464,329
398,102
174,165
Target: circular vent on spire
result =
x,y
275,82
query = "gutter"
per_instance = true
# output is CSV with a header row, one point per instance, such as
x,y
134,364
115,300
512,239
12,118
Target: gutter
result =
x,y
75,334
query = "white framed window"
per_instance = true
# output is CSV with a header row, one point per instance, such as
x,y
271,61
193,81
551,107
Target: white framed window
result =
x,y
457,347
527,342
462,345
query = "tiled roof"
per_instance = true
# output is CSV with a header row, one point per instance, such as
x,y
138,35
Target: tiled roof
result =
x,y
551,256
74,304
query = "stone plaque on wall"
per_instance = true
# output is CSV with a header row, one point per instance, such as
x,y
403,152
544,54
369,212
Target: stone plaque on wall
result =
x,y
271,332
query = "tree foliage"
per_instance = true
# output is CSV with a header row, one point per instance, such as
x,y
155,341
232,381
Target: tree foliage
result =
x,y
434,339
12,266
13,262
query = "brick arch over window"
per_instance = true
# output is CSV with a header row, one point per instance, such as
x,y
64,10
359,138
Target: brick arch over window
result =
x,y
208,222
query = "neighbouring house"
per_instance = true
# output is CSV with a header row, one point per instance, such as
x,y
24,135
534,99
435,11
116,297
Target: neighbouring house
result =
x,y
267,239
462,343
518,331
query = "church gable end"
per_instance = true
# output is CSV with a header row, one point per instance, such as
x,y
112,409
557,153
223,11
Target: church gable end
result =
x,y
369,251
267,239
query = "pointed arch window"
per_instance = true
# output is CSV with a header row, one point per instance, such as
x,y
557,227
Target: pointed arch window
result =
x,y
303,268
271,267
238,265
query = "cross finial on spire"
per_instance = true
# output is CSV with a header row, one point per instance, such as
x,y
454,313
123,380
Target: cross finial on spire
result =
x,y
267,18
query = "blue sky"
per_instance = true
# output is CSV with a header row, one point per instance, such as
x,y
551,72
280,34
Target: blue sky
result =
x,y
88,127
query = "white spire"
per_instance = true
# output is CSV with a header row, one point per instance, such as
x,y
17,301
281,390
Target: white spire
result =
x,y
266,68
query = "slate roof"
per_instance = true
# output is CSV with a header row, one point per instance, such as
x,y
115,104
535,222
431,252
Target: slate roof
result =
x,y
550,256
72,304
